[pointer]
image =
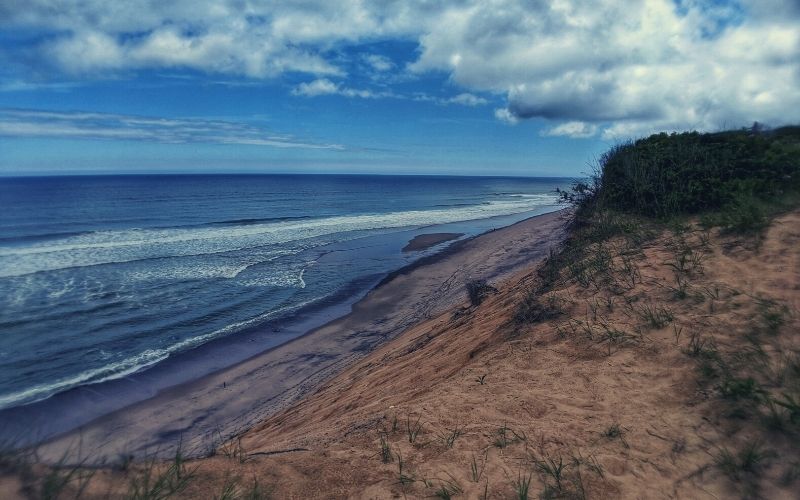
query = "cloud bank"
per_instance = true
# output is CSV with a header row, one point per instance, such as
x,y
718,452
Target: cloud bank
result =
x,y
626,68
590,68
82,125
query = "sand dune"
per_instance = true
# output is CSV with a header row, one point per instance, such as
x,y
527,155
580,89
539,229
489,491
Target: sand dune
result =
x,y
633,411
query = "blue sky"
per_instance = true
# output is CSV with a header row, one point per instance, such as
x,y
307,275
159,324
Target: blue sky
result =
x,y
501,87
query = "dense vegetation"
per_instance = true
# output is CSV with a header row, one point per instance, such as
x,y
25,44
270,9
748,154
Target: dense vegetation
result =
x,y
736,178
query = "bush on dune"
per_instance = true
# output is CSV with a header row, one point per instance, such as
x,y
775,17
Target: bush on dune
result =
x,y
735,178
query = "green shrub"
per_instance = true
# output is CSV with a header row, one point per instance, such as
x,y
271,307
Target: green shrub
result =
x,y
735,177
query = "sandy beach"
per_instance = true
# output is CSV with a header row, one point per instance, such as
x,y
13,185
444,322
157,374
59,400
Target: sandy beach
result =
x,y
201,413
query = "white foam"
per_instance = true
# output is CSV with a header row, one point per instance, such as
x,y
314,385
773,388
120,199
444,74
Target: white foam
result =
x,y
136,363
106,247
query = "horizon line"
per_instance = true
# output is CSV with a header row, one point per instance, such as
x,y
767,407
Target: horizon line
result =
x,y
188,174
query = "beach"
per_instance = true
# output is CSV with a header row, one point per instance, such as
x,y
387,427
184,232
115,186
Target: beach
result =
x,y
199,414
598,351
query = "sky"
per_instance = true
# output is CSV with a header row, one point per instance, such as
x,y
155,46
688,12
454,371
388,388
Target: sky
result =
x,y
462,87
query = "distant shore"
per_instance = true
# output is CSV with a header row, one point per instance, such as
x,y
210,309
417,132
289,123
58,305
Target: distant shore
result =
x,y
200,412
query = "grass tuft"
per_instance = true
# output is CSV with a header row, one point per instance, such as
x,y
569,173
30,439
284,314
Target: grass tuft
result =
x,y
748,461
478,290
522,486
413,429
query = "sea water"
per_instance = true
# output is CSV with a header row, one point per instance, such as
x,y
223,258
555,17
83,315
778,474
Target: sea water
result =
x,y
104,276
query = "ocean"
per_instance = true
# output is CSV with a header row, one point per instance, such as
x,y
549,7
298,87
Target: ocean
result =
x,y
105,276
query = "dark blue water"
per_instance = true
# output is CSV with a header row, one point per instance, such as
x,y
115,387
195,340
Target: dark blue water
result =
x,y
102,276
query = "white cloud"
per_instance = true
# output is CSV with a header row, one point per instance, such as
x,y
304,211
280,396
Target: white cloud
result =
x,y
323,86
467,99
504,115
624,67
577,130
83,125
379,62
628,67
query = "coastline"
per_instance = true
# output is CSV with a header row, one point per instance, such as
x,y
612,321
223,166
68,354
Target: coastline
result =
x,y
201,412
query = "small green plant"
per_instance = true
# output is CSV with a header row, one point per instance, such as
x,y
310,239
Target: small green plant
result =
x,y
747,461
386,450
656,317
257,492
743,214
413,430
403,478
678,331
230,489
791,405
475,469
482,379
521,486
614,337
156,482
615,431
535,308
451,435
773,316
502,439
700,347
681,289
506,436
478,290
591,463
58,477
736,389
234,450
630,272
447,489
553,468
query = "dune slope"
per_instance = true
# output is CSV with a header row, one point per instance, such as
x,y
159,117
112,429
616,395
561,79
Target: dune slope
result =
x,y
653,371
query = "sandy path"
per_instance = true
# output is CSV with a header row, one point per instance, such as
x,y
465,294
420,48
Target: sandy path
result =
x,y
201,412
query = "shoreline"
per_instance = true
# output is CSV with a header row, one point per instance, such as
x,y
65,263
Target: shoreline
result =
x,y
83,404
205,410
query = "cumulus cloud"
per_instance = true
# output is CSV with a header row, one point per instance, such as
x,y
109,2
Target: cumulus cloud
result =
x,y
625,68
619,68
84,125
572,129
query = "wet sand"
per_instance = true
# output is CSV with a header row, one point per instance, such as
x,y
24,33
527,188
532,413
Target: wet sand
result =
x,y
424,241
200,413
